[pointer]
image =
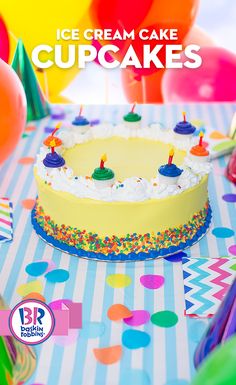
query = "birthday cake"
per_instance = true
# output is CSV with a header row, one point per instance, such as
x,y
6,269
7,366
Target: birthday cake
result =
x,y
151,201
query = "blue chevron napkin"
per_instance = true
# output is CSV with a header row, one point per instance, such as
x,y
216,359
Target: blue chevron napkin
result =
x,y
206,281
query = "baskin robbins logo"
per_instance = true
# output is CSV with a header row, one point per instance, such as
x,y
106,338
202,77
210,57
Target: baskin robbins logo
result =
x,y
31,322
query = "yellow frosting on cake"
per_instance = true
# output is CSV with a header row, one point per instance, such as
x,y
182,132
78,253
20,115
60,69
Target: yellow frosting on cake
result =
x,y
126,157
121,218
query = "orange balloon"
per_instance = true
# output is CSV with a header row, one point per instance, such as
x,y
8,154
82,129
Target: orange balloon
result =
x,y
144,89
12,110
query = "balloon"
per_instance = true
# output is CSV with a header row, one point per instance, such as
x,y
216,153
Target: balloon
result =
x,y
4,41
37,24
98,46
198,36
144,89
219,367
213,81
165,14
12,110
118,15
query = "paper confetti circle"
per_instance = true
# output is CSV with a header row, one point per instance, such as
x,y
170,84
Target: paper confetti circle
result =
x,y
139,317
232,249
118,312
118,280
36,268
217,135
152,281
109,355
57,275
92,330
28,204
135,339
222,232
30,287
135,377
231,198
58,303
164,319
34,295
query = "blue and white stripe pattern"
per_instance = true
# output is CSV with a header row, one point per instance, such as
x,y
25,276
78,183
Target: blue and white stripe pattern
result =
x,y
169,357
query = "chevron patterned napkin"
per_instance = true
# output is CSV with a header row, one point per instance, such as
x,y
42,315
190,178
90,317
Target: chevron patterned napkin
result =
x,y
6,220
205,283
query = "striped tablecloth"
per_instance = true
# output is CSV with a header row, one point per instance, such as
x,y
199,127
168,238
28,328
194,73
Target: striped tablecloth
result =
x,y
168,359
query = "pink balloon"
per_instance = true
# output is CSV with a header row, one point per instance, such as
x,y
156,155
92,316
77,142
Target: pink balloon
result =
x,y
4,41
198,36
213,81
98,46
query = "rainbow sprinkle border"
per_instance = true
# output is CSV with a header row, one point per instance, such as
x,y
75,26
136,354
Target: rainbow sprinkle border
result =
x,y
131,247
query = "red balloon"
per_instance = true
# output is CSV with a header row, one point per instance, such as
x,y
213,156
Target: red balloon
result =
x,y
97,45
213,81
12,110
118,15
165,15
4,41
144,89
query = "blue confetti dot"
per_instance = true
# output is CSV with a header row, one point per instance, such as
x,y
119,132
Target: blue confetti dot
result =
x,y
135,339
134,376
36,268
222,232
92,330
57,275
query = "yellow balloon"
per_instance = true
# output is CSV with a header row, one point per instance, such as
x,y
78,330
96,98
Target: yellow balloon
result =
x,y
36,23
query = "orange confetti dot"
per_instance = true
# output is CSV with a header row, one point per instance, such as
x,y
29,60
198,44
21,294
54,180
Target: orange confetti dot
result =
x,y
217,135
35,295
28,204
108,356
118,312
26,160
30,128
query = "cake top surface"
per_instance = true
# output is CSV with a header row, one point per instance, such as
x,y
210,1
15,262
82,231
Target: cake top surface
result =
x,y
134,158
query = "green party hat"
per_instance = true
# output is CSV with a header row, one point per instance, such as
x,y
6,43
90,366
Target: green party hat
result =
x,y
37,106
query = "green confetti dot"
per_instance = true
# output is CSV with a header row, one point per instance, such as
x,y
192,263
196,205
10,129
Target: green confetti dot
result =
x,y
164,319
233,267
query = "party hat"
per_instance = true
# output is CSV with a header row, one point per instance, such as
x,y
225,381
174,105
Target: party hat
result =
x,y
222,326
37,106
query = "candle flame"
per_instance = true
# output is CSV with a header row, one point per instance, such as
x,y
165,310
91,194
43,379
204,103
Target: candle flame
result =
x,y
172,151
53,143
104,157
81,109
56,128
201,134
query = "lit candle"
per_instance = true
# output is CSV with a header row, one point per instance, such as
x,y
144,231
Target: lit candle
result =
x,y
171,154
133,107
81,110
103,160
184,116
56,128
200,138
52,141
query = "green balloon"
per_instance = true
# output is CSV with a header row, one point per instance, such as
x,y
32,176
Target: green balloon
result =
x,y
220,366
